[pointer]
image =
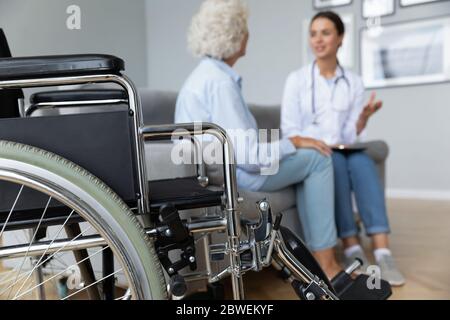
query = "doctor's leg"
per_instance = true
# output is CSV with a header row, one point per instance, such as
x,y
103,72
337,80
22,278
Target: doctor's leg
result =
x,y
345,220
369,196
372,207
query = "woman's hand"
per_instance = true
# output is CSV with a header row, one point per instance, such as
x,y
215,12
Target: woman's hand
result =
x,y
371,107
310,143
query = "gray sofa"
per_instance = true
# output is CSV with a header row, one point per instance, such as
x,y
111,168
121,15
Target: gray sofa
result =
x,y
158,108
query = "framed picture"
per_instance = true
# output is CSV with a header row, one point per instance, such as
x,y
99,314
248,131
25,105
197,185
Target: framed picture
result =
x,y
320,4
406,54
407,3
377,8
346,52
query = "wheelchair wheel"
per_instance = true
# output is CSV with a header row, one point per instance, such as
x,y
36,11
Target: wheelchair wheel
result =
x,y
81,230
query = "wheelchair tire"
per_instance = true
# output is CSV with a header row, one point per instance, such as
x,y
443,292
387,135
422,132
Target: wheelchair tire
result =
x,y
96,203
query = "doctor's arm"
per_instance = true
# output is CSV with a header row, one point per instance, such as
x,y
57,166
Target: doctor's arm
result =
x,y
359,113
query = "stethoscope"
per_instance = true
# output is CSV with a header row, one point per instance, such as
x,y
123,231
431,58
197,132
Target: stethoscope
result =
x,y
313,87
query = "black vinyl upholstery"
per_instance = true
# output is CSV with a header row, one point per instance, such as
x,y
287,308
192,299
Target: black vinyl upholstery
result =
x,y
99,142
183,193
59,66
78,95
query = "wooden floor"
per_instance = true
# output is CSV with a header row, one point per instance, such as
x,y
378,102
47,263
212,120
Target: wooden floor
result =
x,y
420,241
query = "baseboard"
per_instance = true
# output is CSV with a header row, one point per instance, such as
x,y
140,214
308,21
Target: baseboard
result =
x,y
418,194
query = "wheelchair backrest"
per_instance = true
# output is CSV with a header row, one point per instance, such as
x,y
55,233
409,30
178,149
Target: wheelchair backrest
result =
x,y
101,143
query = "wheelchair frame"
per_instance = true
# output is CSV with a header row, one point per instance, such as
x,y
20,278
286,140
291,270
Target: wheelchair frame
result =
x,y
141,133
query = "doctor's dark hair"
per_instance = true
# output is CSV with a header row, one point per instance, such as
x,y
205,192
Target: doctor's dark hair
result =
x,y
333,17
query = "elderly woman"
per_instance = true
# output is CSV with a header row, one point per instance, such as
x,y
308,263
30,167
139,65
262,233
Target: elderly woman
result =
x,y
212,93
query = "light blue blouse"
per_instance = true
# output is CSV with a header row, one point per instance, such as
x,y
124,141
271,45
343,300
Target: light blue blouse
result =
x,y
212,93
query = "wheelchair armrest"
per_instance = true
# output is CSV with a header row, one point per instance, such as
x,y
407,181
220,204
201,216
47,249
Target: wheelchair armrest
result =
x,y
79,98
59,66
78,95
169,132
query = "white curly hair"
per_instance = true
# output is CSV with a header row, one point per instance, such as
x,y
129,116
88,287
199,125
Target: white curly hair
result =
x,y
218,29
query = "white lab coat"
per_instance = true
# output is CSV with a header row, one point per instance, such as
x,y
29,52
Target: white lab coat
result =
x,y
337,106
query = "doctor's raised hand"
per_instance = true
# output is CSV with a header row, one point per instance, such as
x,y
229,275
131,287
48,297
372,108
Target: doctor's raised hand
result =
x,y
369,110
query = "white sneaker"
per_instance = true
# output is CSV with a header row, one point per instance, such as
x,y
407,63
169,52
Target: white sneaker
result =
x,y
389,271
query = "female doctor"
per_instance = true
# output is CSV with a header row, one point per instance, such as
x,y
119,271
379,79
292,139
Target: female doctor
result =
x,y
325,102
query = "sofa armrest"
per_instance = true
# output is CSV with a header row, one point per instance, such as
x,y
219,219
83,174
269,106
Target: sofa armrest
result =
x,y
378,150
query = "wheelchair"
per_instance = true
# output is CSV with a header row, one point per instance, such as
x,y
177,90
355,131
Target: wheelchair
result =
x,y
79,220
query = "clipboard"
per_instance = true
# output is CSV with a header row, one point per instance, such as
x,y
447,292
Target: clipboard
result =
x,y
347,148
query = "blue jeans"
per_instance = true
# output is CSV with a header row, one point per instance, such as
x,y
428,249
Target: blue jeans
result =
x,y
356,172
312,175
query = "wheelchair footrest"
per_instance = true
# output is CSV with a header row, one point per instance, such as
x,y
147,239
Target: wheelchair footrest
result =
x,y
363,287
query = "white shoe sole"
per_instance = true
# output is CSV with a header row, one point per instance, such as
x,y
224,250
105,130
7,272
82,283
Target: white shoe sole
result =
x,y
397,283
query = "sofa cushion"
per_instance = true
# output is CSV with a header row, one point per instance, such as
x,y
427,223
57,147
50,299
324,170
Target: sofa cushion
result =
x,y
158,107
267,117
159,165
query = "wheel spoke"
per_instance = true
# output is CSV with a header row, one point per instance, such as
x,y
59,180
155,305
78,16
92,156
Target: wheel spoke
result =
x,y
32,240
63,271
100,280
39,263
11,211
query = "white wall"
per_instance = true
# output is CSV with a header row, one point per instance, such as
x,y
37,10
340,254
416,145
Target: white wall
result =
x,y
414,119
107,26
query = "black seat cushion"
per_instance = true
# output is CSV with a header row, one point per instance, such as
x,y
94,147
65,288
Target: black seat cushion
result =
x,y
183,193
78,95
64,65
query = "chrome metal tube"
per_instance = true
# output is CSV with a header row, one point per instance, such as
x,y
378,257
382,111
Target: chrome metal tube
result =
x,y
221,275
66,104
270,250
136,110
42,247
21,104
202,226
85,242
206,241
191,277
198,160
353,267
